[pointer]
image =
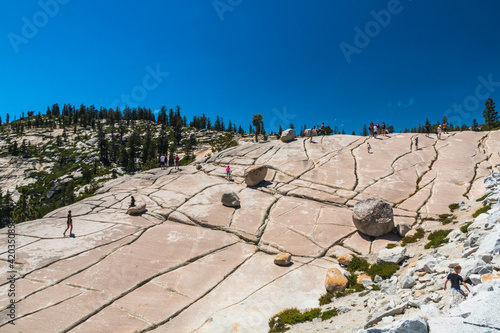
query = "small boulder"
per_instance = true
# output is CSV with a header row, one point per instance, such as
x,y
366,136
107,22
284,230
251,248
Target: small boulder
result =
x,y
391,256
255,174
230,199
283,259
403,228
405,325
363,277
345,259
198,166
407,282
373,217
287,135
335,280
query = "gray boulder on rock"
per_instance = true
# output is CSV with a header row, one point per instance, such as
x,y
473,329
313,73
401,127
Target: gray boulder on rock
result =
x,y
391,256
491,243
255,174
407,282
373,217
403,228
489,182
287,135
230,199
411,325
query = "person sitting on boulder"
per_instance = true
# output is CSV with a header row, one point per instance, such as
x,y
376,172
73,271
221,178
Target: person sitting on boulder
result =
x,y
456,280
132,201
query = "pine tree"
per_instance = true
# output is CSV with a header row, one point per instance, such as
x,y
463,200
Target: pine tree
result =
x,y
365,131
490,115
475,125
280,130
258,123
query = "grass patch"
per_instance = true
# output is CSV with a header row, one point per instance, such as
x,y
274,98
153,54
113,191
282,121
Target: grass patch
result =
x,y
413,239
358,264
483,197
375,287
390,246
453,206
325,299
465,227
446,218
385,271
437,238
329,314
282,321
481,210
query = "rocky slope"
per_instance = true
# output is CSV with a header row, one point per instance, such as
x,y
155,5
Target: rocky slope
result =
x,y
191,264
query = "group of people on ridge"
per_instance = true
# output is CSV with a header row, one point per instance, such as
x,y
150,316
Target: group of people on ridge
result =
x,y
163,160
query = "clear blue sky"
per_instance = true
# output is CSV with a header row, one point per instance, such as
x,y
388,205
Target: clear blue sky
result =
x,y
237,58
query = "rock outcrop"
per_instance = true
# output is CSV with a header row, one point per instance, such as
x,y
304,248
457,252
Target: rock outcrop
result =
x,y
373,217
121,265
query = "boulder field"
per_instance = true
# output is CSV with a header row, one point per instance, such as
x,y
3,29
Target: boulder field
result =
x,y
190,263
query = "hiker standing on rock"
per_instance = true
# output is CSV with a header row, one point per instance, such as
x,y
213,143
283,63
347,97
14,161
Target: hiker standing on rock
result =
x,y
162,161
427,130
69,224
456,280
177,162
416,142
228,173
439,132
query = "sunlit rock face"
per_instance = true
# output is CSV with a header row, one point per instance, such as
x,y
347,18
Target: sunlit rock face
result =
x,y
190,263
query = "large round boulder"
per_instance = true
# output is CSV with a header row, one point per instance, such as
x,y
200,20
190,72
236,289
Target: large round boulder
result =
x,y
335,280
255,174
373,217
287,135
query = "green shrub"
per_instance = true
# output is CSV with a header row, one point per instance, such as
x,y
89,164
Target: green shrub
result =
x,y
453,206
465,227
437,238
390,246
483,197
329,314
325,299
281,321
413,239
358,264
376,287
481,210
385,271
446,218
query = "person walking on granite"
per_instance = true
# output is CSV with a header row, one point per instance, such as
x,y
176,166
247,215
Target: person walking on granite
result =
x,y
456,280
69,223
